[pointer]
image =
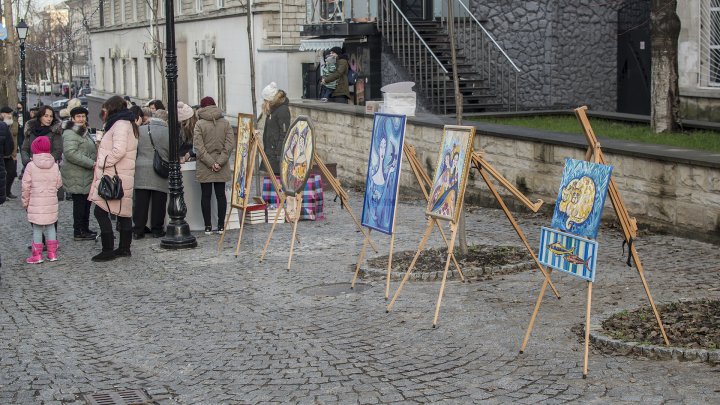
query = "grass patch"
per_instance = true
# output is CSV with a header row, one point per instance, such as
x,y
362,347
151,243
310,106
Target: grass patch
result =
x,y
699,139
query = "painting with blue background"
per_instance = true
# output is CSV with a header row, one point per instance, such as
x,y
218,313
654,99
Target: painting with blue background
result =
x,y
381,184
581,198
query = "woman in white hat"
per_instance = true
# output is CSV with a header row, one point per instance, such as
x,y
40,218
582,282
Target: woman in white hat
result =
x,y
276,111
186,120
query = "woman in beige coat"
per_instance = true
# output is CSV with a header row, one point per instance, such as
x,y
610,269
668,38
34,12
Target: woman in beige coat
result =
x,y
213,141
116,155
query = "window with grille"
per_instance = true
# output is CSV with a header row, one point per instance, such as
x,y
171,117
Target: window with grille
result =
x,y
199,6
149,74
199,71
220,4
221,83
710,43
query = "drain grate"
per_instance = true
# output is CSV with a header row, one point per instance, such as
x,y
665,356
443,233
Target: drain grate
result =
x,y
126,397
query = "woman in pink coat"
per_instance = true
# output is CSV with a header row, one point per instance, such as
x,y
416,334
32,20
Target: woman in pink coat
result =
x,y
40,184
116,155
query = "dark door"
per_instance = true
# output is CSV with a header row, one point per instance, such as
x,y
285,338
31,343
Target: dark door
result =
x,y
633,53
416,9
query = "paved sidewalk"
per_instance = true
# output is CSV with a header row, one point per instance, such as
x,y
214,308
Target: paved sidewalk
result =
x,y
200,327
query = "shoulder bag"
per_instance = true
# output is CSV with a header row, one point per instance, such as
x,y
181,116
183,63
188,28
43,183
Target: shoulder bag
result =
x,y
110,188
160,165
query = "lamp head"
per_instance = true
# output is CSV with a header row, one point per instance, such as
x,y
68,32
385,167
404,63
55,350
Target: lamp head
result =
x,y
22,30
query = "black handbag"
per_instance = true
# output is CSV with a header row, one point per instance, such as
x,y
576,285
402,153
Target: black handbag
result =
x,y
110,188
160,165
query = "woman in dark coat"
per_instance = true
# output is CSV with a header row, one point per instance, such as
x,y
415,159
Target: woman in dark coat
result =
x,y
276,111
151,190
342,91
44,125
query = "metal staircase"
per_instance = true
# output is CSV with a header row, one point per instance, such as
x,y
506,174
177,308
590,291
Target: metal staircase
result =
x,y
487,76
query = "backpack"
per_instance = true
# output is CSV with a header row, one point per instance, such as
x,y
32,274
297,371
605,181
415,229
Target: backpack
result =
x,y
352,76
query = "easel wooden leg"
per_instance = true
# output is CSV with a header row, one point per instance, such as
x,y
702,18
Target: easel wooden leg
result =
x,y
587,330
444,279
242,226
389,268
294,232
447,243
281,205
360,259
412,264
641,273
534,315
225,228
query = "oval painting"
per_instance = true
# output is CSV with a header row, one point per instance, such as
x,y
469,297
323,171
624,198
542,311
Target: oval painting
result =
x,y
297,156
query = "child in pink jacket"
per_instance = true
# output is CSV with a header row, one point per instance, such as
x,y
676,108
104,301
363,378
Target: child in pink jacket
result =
x,y
40,183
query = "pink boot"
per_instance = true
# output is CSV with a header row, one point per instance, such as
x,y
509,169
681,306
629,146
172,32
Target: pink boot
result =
x,y
36,254
52,247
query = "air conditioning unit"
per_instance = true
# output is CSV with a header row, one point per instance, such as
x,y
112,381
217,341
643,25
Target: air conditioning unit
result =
x,y
149,48
200,47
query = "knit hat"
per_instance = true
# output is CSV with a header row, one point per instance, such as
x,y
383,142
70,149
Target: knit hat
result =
x,y
6,110
184,111
206,101
269,92
78,110
41,144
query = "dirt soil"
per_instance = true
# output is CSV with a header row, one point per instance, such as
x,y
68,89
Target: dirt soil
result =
x,y
431,260
694,325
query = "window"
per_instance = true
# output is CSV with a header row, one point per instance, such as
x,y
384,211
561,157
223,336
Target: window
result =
x,y
178,7
199,6
134,9
101,12
220,4
710,43
102,73
114,75
199,72
135,91
112,12
122,11
221,83
125,76
149,79
161,8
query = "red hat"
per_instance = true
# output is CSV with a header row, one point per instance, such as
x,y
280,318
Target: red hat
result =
x,y
41,144
206,101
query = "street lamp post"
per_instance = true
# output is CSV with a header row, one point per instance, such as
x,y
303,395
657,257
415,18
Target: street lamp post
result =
x,y
22,31
178,234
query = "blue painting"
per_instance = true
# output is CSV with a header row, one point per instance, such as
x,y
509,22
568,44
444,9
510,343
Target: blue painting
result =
x,y
568,253
581,198
383,172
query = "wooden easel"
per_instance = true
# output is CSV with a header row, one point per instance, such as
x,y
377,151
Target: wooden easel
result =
x,y
484,168
337,187
424,181
254,150
629,227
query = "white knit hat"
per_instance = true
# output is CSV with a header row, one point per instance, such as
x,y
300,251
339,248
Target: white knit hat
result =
x,y
184,111
270,91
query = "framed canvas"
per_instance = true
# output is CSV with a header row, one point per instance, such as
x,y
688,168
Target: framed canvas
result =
x,y
568,253
581,198
297,156
243,160
453,165
383,172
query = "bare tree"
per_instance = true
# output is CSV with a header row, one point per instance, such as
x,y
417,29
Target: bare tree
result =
x,y
158,50
664,94
9,54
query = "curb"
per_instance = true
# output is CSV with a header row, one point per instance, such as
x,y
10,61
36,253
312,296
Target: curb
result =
x,y
470,272
654,352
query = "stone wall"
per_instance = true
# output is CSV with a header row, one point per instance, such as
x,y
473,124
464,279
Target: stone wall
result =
x,y
662,193
567,50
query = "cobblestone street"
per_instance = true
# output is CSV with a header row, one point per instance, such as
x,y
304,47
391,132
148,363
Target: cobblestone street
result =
x,y
198,327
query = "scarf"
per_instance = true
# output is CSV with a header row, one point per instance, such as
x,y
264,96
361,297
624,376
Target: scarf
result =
x,y
41,130
126,115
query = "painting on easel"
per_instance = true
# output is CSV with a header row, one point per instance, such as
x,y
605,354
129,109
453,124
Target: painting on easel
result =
x,y
568,253
242,157
382,182
297,157
451,173
583,189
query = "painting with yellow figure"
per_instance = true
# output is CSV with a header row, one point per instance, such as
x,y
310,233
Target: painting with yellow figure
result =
x,y
297,156
581,198
242,157
451,172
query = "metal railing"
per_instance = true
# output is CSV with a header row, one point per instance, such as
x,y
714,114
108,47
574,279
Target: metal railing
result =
x,y
492,63
415,55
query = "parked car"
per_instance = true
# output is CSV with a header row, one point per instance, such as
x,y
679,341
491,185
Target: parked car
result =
x,y
58,105
84,91
83,101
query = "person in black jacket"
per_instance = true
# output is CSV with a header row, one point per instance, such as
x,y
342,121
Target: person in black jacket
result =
x,y
276,111
6,146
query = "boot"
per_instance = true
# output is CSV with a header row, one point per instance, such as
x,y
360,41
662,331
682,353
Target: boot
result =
x,y
52,247
36,254
107,253
123,249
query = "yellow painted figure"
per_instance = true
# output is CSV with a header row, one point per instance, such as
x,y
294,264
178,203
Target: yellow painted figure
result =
x,y
577,200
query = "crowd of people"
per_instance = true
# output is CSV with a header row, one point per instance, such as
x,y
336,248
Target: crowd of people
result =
x,y
60,155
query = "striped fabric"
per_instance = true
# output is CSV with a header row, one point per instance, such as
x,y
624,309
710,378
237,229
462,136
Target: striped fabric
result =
x,y
568,253
312,197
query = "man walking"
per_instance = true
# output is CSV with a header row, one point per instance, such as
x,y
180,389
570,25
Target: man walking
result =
x,y
10,155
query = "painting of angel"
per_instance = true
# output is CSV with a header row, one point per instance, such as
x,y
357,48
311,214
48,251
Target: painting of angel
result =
x,y
451,172
242,157
383,172
297,156
583,189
